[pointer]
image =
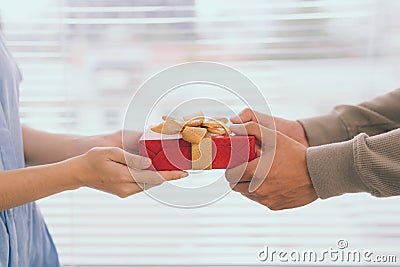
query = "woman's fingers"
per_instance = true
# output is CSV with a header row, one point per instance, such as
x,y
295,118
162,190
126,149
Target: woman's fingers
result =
x,y
153,177
139,180
133,161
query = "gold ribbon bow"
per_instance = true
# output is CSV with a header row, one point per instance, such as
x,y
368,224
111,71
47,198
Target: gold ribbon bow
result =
x,y
196,130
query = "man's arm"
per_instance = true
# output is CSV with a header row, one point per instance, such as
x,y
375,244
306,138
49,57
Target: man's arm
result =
x,y
379,115
364,164
43,148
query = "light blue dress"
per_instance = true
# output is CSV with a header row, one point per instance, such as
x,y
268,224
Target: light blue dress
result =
x,y
24,237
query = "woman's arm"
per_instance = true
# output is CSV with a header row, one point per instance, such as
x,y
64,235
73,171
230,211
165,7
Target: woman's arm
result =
x,y
22,186
110,170
43,148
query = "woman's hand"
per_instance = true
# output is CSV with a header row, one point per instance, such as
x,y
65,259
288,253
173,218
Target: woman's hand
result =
x,y
125,139
115,171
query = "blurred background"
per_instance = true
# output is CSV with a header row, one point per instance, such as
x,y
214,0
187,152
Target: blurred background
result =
x,y
82,60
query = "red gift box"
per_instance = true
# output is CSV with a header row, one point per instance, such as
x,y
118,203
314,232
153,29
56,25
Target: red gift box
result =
x,y
171,152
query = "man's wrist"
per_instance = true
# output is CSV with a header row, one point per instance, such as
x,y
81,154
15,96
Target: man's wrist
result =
x,y
325,129
332,170
301,134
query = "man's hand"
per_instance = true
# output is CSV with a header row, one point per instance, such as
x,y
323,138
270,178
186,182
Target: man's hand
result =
x,y
118,172
277,180
292,129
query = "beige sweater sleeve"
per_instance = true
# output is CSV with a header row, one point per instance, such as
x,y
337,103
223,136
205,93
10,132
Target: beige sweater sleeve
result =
x,y
379,115
363,164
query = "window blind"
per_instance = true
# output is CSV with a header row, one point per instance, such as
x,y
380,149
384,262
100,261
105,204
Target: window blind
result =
x,y
83,59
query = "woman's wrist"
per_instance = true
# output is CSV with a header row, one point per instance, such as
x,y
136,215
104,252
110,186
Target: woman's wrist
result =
x,y
73,172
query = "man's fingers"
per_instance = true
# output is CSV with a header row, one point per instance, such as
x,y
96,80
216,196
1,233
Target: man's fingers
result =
x,y
241,187
250,115
262,171
261,133
242,173
131,160
258,151
245,116
247,128
153,177
255,172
